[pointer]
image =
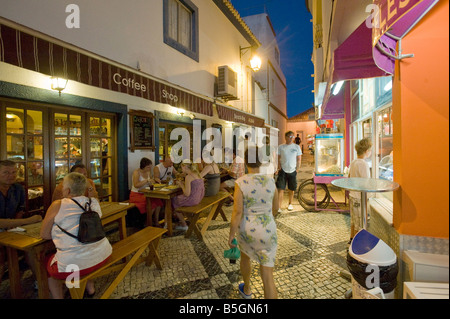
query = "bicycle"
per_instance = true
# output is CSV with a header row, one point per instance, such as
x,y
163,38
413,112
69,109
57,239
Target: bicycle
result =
x,y
313,195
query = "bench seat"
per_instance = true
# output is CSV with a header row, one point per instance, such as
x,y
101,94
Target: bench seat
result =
x,y
137,244
193,213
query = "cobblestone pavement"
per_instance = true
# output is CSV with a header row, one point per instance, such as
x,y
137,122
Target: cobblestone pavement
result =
x,y
311,253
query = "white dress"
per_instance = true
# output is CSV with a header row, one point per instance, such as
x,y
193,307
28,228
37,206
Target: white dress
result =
x,y
257,232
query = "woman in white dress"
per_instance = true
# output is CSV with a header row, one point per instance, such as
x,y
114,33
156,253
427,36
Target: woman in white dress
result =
x,y
253,225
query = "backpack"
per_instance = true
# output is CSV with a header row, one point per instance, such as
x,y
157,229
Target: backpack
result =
x,y
90,229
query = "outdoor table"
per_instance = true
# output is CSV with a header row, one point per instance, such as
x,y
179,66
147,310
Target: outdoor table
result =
x,y
364,186
30,241
165,193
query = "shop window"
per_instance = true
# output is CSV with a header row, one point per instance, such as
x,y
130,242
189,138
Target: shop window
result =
x,y
25,146
46,142
166,144
181,27
367,92
385,154
354,86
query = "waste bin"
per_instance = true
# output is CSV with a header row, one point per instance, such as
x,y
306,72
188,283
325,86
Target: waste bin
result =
x,y
372,263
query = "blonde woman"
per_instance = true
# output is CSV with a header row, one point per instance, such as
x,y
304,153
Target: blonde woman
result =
x,y
193,191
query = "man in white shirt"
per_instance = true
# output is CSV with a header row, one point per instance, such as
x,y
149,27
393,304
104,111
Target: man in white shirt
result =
x,y
164,170
289,162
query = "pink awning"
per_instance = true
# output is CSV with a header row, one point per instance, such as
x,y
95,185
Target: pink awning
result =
x,y
354,59
372,51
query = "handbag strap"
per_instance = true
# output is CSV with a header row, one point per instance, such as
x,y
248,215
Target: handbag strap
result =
x,y
84,210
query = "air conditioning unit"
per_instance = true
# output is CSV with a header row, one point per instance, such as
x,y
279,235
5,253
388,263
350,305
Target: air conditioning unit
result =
x,y
227,83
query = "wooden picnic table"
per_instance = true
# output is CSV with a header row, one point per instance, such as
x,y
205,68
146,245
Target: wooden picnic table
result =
x,y
166,193
30,241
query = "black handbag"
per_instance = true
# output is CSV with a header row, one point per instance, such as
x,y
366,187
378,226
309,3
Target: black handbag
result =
x,y
90,229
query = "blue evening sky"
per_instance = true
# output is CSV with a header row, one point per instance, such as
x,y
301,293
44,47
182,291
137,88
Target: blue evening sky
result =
x,y
291,21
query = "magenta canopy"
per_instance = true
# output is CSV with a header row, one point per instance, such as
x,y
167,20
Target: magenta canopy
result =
x,y
355,58
371,52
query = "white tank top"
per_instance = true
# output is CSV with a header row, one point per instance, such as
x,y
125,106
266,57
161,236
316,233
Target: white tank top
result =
x,y
137,190
69,251
164,171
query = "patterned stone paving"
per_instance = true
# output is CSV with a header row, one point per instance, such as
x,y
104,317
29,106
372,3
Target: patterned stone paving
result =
x,y
311,252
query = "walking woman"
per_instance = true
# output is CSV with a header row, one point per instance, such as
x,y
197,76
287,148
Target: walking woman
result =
x,y
253,224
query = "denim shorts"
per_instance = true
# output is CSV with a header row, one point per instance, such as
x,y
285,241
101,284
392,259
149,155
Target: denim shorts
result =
x,y
289,178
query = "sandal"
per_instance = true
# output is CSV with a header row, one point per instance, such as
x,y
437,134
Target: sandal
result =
x,y
243,294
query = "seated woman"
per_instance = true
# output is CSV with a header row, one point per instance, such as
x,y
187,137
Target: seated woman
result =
x,y
90,190
69,251
193,191
142,178
211,174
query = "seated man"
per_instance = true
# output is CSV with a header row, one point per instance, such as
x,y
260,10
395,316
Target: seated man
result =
x,y
164,171
12,204
90,191
12,198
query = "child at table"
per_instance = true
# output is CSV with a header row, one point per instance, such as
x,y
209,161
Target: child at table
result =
x,y
358,168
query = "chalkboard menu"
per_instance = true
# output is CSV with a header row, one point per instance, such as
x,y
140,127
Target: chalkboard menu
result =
x,y
141,130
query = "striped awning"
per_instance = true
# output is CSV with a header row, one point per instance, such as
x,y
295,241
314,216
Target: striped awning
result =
x,y
36,54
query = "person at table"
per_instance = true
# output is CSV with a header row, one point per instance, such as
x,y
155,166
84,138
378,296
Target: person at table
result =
x,y
163,171
12,198
193,189
69,251
358,168
90,189
236,170
141,179
211,175
253,225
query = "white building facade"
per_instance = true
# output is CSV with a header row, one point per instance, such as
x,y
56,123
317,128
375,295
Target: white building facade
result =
x,y
134,70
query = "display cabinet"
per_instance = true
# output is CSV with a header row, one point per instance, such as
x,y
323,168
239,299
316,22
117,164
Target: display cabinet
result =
x,y
329,154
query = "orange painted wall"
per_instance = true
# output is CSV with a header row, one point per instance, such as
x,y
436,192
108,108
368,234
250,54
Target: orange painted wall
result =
x,y
421,126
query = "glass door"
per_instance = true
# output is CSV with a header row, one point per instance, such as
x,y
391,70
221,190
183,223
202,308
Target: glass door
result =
x,y
68,147
25,146
101,155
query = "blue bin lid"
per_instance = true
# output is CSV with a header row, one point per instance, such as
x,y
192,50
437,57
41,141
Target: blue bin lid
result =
x,y
370,249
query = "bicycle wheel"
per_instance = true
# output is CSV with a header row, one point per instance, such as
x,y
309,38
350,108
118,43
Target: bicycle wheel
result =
x,y
306,195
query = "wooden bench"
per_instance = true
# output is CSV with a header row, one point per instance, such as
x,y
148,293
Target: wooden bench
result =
x,y
136,243
193,213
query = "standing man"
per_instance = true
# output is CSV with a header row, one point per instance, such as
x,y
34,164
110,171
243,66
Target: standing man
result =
x,y
12,198
289,162
298,140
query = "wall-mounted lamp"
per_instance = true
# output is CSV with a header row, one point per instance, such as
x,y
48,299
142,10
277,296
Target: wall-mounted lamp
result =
x,y
59,84
255,62
192,116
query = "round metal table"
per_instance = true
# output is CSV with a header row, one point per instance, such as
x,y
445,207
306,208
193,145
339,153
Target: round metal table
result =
x,y
364,186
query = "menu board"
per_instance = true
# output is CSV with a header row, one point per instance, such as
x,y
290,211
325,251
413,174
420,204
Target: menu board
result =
x,y
141,130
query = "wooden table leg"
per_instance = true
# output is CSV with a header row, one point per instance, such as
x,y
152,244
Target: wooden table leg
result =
x,y
14,273
40,269
168,217
149,212
123,227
